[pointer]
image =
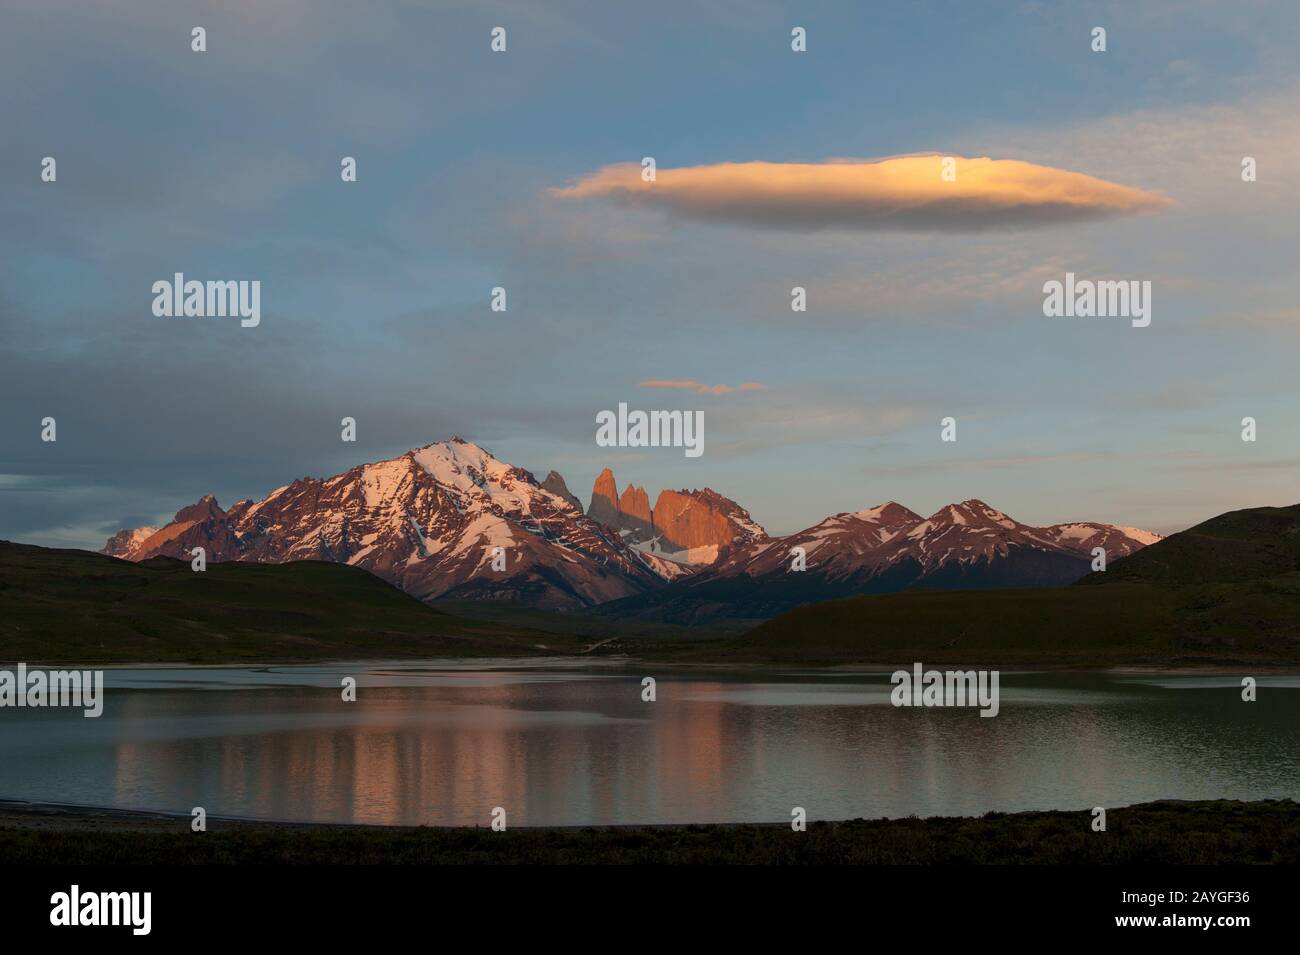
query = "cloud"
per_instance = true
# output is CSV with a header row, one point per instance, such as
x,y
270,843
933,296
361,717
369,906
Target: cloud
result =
x,y
690,384
1193,151
903,193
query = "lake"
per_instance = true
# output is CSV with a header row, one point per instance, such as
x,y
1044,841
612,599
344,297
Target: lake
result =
x,y
444,742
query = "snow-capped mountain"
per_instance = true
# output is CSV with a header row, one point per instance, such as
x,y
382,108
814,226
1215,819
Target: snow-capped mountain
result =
x,y
1116,541
840,546
429,522
882,550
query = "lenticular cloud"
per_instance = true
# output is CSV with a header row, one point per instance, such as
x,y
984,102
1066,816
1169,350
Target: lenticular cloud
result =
x,y
904,193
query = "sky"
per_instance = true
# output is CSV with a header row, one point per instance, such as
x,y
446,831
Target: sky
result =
x,y
775,169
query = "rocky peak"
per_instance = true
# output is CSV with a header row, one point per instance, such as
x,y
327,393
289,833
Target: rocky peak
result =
x,y
685,522
205,509
890,514
604,499
973,514
635,503
124,542
555,484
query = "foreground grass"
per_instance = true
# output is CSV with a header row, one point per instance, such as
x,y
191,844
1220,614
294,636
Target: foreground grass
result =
x,y
1162,833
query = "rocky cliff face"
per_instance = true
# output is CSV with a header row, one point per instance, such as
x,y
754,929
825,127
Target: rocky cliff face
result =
x,y
694,521
634,506
691,527
604,500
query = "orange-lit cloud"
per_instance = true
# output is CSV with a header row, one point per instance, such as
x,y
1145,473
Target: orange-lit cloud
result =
x,y
690,384
900,193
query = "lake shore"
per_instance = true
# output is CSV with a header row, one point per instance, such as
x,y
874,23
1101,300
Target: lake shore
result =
x,y
1217,832
602,662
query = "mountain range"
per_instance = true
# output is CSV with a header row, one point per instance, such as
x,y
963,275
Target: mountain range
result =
x,y
451,521
1225,592
882,550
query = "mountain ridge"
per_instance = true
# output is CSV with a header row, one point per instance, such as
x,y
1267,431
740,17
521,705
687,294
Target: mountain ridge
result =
x,y
884,549
451,521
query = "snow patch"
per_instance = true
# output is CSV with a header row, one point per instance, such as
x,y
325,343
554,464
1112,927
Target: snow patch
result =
x,y
1145,538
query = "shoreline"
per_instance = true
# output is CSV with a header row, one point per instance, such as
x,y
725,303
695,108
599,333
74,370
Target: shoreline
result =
x,y
30,813
1166,832
579,661
16,811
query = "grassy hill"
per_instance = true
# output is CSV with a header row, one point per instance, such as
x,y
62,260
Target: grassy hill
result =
x,y
1224,592
76,606
1239,546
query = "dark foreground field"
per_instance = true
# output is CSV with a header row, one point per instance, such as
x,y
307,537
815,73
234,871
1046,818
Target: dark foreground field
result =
x,y
1160,833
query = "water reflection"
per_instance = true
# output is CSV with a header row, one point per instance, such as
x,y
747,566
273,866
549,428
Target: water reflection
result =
x,y
440,744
